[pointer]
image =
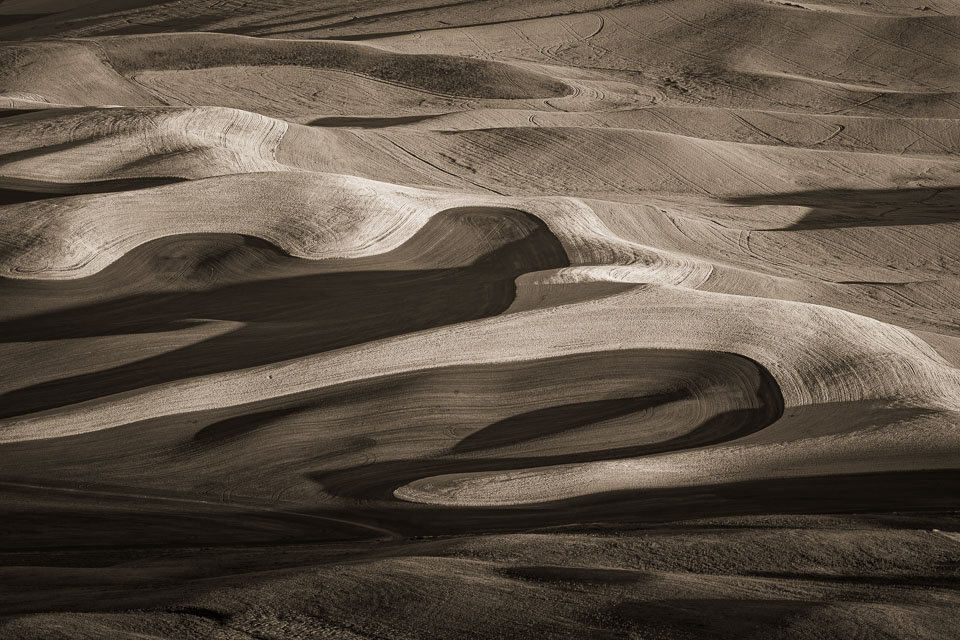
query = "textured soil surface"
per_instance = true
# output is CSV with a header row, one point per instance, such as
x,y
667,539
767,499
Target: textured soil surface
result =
x,y
479,319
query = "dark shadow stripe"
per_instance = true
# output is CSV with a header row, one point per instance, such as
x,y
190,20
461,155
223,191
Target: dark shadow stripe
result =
x,y
371,122
304,307
845,208
19,196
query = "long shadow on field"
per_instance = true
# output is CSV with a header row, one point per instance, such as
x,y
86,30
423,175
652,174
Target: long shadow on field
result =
x,y
113,524
842,208
8,20
553,420
10,113
368,122
46,191
378,481
325,305
315,21
728,618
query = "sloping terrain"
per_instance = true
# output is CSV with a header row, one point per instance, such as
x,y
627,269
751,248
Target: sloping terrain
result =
x,y
479,319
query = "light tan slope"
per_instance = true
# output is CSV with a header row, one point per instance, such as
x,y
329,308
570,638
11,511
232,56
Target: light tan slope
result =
x,y
614,162
67,72
311,215
74,146
756,54
887,254
14,104
437,73
108,71
54,149
898,269
913,136
738,54
292,92
59,150
907,274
